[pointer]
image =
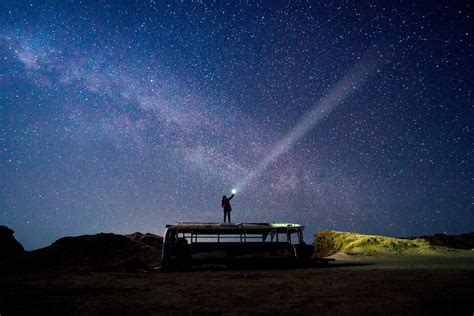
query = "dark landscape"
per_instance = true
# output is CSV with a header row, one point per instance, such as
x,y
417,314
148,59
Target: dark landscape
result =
x,y
115,274
296,157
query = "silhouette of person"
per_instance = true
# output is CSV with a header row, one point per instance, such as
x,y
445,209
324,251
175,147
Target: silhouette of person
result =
x,y
226,205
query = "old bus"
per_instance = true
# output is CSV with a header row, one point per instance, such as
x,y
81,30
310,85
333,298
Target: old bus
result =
x,y
187,244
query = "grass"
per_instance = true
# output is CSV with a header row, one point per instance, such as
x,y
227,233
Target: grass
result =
x,y
328,242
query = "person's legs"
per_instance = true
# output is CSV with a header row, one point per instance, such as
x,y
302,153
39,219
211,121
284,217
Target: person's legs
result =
x,y
225,214
229,216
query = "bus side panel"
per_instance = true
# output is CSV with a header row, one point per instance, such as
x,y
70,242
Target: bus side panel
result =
x,y
229,251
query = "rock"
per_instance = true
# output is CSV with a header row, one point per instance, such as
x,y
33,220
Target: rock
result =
x,y
135,264
147,239
9,246
463,241
100,252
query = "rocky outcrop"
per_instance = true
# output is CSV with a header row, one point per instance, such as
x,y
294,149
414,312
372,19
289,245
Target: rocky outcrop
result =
x,y
100,252
329,242
147,240
462,241
9,246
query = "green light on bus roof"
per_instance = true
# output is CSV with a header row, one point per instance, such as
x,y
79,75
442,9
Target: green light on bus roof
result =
x,y
278,225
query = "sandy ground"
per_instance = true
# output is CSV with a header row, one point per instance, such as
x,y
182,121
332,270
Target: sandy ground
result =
x,y
355,285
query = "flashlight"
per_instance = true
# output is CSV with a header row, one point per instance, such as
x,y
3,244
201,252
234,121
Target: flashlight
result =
x,y
234,191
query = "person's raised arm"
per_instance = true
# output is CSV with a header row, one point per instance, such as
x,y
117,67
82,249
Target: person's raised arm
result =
x,y
231,197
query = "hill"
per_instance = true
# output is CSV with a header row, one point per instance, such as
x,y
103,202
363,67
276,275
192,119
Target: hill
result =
x,y
462,241
100,252
329,242
9,246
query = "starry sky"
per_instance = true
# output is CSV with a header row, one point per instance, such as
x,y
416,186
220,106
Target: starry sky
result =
x,y
123,116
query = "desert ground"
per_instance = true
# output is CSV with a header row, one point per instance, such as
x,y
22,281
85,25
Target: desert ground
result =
x,y
352,285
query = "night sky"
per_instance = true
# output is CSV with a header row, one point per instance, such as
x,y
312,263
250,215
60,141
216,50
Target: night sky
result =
x,y
122,116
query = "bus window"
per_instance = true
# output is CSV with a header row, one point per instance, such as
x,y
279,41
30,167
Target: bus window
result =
x,y
170,235
231,238
252,238
272,237
282,237
268,237
295,238
221,238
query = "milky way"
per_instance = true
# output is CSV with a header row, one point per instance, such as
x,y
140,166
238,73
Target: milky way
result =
x,y
122,117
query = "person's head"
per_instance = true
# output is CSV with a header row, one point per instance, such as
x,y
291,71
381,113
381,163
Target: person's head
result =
x,y
224,198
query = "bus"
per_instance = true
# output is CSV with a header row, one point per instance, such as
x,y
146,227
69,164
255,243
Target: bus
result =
x,y
188,244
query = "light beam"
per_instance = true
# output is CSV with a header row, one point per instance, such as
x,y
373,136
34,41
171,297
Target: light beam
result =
x,y
351,81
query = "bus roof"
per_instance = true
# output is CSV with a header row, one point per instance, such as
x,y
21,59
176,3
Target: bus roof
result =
x,y
235,227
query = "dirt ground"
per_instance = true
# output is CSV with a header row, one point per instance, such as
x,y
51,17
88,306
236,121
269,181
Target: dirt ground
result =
x,y
355,285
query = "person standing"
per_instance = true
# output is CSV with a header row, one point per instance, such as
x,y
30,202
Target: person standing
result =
x,y
226,206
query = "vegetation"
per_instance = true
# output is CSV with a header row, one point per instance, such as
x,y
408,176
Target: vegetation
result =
x,y
328,242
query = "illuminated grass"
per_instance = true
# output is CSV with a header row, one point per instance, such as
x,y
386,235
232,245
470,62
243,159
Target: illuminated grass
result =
x,y
328,242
